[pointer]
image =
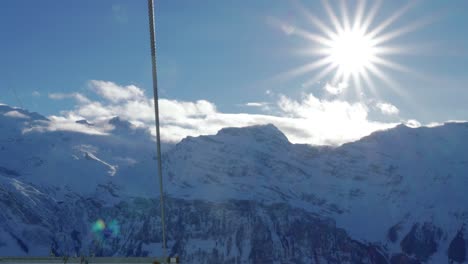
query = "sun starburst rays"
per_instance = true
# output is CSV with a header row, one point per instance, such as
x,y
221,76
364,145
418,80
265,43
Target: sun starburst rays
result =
x,y
351,45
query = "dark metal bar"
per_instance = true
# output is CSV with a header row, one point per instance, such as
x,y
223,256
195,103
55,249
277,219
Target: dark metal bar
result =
x,y
156,114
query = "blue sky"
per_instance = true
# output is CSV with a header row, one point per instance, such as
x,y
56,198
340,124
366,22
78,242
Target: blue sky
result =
x,y
227,53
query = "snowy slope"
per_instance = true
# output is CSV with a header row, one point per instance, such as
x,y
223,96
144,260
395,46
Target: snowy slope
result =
x,y
396,194
75,160
402,177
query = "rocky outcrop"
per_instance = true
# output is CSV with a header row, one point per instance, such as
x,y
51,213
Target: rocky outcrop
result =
x,y
234,231
403,259
421,241
393,232
457,248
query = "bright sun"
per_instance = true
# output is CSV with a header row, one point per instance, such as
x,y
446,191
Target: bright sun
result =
x,y
349,48
352,52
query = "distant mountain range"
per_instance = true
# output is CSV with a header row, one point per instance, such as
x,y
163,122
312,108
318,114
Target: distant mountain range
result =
x,y
244,195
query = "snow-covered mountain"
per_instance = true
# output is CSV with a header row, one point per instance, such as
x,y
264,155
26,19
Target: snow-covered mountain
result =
x,y
244,195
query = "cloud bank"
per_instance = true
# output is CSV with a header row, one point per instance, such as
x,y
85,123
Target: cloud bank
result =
x,y
335,89
307,120
387,109
16,114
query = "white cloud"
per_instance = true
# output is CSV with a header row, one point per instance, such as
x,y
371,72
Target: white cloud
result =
x,y
413,123
308,120
387,108
116,93
335,89
434,124
77,96
256,104
36,93
455,121
264,106
288,29
328,122
60,123
16,114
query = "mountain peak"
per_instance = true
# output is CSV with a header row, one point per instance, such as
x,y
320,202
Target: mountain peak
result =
x,y
123,127
239,138
120,123
20,113
265,132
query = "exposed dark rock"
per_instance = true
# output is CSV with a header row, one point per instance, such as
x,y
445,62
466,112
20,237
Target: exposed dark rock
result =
x,y
84,122
457,248
234,231
20,243
375,255
75,235
403,259
8,172
392,233
421,241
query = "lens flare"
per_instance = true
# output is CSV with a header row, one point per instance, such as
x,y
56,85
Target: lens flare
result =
x,y
114,228
104,231
98,226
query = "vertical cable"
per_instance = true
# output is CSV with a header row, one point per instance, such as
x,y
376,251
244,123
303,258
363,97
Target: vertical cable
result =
x,y
156,114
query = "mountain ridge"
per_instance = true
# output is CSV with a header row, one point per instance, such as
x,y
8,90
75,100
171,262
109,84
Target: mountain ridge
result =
x,y
406,184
